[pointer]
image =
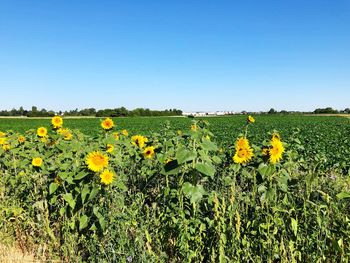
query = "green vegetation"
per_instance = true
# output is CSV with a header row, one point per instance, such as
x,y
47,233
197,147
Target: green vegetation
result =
x,y
186,202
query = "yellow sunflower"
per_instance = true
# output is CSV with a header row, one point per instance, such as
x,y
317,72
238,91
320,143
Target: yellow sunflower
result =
x,y
148,152
110,148
276,136
2,140
37,161
125,132
6,147
57,122
250,119
66,133
96,161
21,139
194,127
265,151
107,124
41,132
2,134
276,151
107,177
242,143
139,140
116,136
243,155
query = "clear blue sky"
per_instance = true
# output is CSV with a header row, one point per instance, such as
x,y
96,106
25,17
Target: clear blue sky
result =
x,y
192,55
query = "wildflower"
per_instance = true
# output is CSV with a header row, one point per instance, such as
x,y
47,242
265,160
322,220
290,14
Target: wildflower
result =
x,y
107,177
250,119
96,161
41,132
21,139
107,124
37,161
149,152
57,122
125,132
139,140
110,148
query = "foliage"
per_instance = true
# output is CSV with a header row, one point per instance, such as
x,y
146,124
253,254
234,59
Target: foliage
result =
x,y
186,202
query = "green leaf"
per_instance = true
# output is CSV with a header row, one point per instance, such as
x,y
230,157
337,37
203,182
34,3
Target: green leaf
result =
x,y
83,222
194,193
80,175
209,146
294,224
85,192
183,155
343,195
69,199
53,187
93,193
205,168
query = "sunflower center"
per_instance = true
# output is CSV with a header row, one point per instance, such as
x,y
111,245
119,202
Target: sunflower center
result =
x,y
98,160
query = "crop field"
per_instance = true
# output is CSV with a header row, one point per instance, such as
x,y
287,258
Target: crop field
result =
x,y
172,189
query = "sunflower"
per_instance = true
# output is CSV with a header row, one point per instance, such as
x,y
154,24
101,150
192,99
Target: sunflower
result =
x,y
276,150
250,119
110,148
66,133
21,139
2,134
107,177
107,124
57,122
2,140
148,152
6,147
265,151
194,127
125,132
276,136
242,143
116,136
243,155
41,132
37,161
139,140
96,161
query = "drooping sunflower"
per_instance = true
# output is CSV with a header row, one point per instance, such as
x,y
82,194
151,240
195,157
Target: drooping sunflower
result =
x,y
37,161
243,155
124,132
21,139
96,161
109,148
250,119
41,132
57,122
139,140
276,151
107,177
107,124
148,152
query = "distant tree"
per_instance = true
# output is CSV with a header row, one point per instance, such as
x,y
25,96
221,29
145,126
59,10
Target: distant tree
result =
x,y
272,111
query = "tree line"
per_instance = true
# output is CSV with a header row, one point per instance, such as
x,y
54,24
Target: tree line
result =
x,y
117,112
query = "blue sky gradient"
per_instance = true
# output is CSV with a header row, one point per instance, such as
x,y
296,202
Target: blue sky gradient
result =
x,y
193,55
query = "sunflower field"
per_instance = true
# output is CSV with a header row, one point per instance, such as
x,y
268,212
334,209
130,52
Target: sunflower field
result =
x,y
175,195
